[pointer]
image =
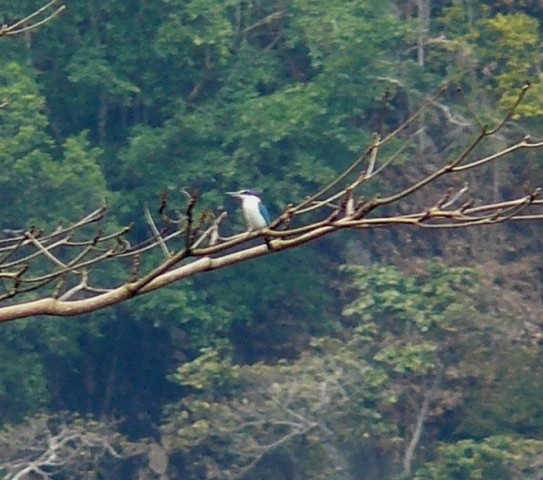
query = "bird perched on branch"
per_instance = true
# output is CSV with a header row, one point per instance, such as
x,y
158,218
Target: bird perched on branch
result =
x,y
255,212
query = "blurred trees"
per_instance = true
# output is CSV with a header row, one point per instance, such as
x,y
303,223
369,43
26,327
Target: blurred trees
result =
x,y
418,343
286,365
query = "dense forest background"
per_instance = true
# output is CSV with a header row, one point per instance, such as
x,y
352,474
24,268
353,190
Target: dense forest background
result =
x,y
378,354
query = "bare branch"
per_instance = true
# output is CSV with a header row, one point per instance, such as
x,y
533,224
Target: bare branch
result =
x,y
155,232
267,20
180,254
30,22
52,444
422,416
524,144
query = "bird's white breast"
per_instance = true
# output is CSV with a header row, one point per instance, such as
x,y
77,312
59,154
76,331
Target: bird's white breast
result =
x,y
251,212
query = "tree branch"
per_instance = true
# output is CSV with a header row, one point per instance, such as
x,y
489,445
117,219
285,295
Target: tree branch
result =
x,y
337,206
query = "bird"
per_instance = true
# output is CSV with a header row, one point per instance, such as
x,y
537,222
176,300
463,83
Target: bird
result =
x,y
254,211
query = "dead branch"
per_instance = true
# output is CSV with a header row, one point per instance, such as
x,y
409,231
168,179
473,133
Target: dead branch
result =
x,y
58,265
46,445
32,21
422,416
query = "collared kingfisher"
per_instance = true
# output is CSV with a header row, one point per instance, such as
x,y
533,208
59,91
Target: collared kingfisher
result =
x,y
255,212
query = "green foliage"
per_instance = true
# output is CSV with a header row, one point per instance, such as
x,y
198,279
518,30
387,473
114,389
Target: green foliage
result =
x,y
494,457
208,372
276,117
507,45
23,382
347,395
191,313
198,26
417,359
35,185
237,415
505,402
497,50
38,359
271,318
404,308
90,68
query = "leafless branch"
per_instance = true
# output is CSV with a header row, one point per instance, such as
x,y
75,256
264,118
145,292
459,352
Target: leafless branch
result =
x,y
195,245
45,445
422,416
267,20
156,233
32,21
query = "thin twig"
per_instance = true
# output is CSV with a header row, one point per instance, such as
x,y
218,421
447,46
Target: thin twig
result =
x,y
17,27
155,232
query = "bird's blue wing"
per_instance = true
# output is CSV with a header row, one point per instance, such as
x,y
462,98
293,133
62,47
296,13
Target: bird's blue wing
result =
x,y
264,212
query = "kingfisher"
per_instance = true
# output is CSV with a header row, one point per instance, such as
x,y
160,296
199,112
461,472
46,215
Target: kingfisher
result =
x,y
255,212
